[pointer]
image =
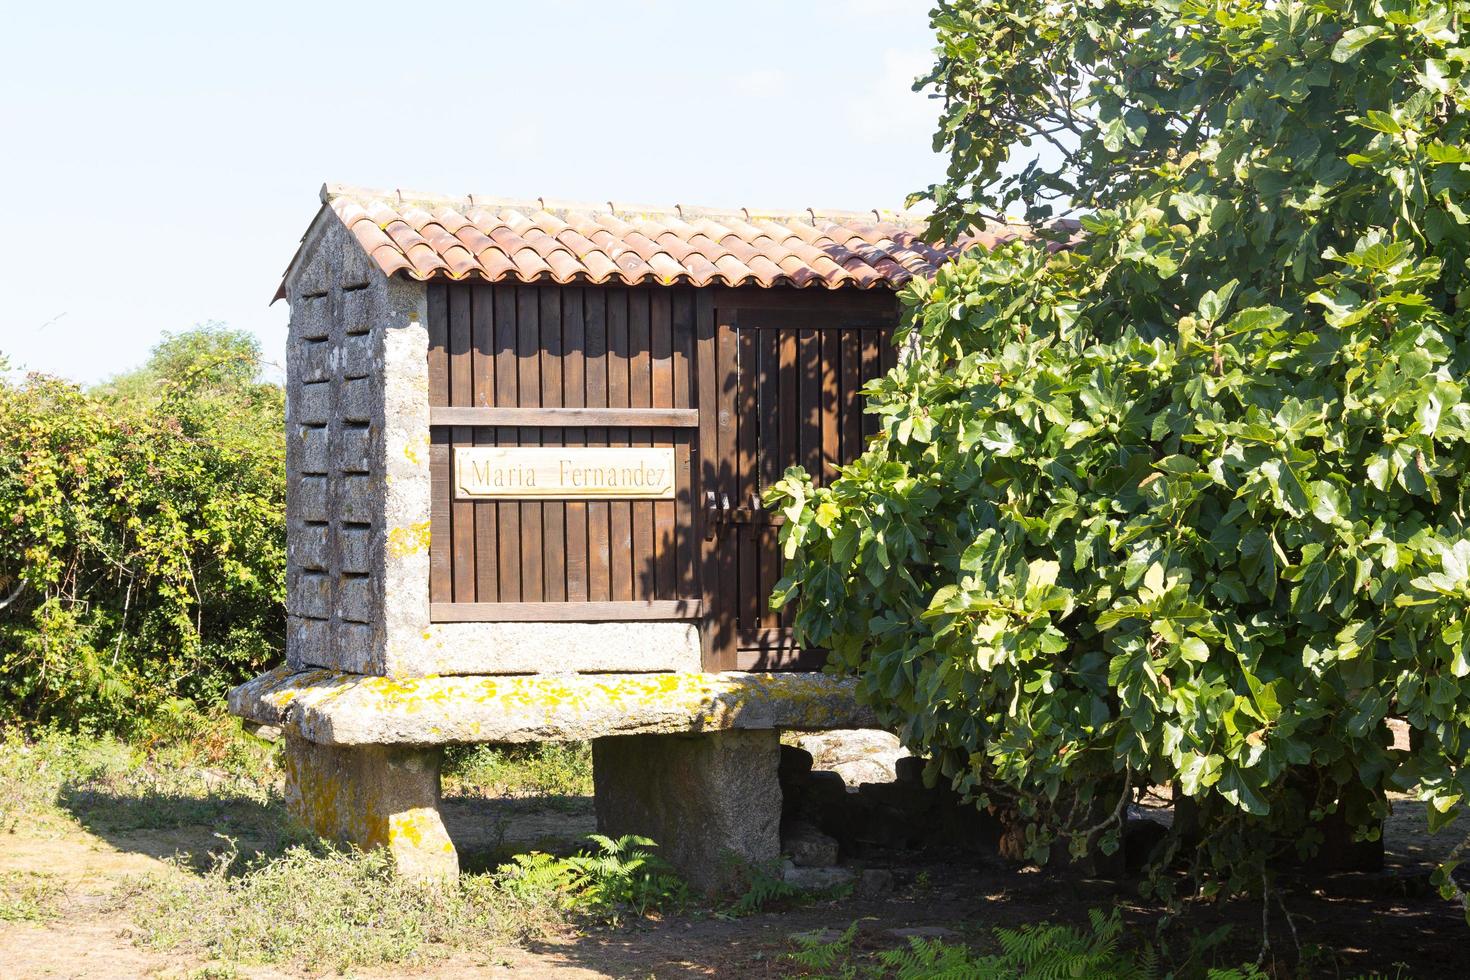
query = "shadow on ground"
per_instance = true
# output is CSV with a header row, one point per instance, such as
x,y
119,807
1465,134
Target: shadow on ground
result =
x,y
189,828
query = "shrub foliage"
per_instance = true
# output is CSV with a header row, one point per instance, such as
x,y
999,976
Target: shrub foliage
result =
x,y
1183,498
142,533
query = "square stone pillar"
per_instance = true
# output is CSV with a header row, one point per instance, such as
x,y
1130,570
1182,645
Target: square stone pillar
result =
x,y
711,802
373,796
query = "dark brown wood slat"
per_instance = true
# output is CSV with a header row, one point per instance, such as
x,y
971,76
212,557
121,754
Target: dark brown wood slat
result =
x,y
683,329
553,512
727,354
528,363
791,416
599,572
461,387
441,576
852,400
482,372
809,354
437,302
788,433
620,512
768,408
744,538
889,353
661,367
871,369
566,417
705,477
573,393
507,393
564,612
640,394
831,404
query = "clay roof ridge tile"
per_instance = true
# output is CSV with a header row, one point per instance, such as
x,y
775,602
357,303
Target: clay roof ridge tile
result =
x,y
543,244
495,263
599,267
574,240
564,265
701,270
548,222
613,223
733,271
451,220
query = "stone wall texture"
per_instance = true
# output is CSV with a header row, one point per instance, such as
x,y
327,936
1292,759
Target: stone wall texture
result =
x,y
334,454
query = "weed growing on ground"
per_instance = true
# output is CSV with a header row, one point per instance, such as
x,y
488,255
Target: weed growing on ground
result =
x,y
329,910
28,896
550,769
620,875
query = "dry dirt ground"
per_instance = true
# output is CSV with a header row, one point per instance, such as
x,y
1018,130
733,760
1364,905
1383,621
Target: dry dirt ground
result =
x,y
1392,923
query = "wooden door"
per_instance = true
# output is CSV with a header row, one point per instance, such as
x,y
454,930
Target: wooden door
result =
x,y
788,371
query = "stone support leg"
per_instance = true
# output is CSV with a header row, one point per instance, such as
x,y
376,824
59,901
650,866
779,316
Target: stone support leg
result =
x,y
373,796
711,802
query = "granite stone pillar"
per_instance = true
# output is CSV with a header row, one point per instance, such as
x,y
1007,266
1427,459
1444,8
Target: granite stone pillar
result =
x,y
712,802
373,796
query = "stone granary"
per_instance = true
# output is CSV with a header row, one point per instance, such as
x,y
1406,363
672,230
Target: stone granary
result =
x,y
527,442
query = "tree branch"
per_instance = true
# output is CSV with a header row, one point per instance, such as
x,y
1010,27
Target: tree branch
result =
x,y
13,596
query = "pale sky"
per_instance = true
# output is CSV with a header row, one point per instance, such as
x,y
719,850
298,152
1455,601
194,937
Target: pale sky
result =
x,y
163,160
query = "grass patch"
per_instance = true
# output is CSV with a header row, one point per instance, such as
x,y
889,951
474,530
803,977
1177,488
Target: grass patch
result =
x,y
28,896
329,910
556,770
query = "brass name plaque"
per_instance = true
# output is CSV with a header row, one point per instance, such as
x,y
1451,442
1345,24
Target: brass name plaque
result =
x,y
611,473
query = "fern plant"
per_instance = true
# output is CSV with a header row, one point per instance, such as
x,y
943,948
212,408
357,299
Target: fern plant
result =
x,y
620,874
1038,951
826,958
765,887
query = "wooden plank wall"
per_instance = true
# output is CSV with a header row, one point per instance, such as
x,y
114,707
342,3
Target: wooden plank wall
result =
x,y
813,377
518,346
798,377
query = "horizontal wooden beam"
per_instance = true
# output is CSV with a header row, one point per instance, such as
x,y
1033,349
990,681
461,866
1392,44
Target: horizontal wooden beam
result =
x,y
675,418
563,612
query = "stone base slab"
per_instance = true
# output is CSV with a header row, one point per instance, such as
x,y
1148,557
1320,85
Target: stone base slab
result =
x,y
711,802
373,796
331,708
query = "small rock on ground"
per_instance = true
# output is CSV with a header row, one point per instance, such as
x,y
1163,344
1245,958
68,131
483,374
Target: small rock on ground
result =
x,y
808,847
816,879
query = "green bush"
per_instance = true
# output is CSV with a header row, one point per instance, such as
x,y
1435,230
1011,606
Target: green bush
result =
x,y
1184,502
143,552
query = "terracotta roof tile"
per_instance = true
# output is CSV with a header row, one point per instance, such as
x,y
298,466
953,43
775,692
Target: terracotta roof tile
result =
x,y
475,237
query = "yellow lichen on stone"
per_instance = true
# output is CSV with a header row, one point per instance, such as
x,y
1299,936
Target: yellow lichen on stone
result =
x,y
358,710
411,450
410,540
